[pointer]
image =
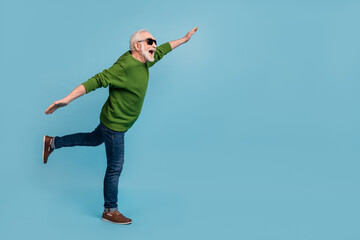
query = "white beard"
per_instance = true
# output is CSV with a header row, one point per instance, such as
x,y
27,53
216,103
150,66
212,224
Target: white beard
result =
x,y
146,54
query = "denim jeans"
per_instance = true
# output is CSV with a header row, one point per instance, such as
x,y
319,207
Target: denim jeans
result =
x,y
114,145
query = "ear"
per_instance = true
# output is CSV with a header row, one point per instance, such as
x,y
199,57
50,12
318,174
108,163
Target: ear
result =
x,y
137,46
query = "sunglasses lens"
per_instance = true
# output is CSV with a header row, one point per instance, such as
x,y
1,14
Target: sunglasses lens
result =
x,y
151,41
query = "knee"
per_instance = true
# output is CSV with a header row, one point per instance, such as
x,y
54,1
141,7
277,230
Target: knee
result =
x,y
114,170
98,142
94,138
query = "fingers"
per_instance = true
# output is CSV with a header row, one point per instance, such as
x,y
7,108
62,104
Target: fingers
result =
x,y
192,31
51,109
47,111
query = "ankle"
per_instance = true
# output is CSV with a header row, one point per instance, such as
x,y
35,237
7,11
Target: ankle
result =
x,y
110,209
52,143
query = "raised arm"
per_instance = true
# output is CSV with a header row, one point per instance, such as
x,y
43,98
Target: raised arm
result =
x,y
112,76
180,41
77,92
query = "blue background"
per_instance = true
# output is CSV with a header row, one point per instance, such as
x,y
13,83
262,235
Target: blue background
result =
x,y
248,131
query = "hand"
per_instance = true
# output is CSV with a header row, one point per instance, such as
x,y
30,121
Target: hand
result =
x,y
189,34
56,105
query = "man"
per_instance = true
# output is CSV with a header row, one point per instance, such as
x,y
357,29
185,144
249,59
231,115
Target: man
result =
x,y
127,80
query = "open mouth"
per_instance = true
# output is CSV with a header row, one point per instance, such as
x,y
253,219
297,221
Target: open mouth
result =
x,y
151,52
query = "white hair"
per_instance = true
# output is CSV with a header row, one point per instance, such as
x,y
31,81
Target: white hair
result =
x,y
135,37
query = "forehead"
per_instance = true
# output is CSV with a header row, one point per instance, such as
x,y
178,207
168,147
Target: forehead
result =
x,y
146,35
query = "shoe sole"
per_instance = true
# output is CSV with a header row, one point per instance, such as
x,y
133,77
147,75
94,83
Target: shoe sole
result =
x,y
104,219
43,160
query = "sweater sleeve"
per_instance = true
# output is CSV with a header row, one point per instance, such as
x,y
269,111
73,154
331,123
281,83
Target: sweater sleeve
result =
x,y
161,51
114,76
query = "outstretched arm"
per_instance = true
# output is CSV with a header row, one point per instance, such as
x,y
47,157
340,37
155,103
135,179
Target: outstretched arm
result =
x,y
77,92
180,41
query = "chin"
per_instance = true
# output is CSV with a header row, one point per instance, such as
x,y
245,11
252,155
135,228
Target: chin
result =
x,y
149,58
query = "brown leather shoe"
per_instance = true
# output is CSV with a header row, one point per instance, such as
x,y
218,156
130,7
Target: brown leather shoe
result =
x,y
115,217
47,150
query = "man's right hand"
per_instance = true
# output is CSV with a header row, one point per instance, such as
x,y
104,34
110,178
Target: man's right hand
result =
x,y
77,92
56,105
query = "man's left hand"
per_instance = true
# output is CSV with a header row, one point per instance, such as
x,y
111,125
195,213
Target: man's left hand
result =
x,y
189,34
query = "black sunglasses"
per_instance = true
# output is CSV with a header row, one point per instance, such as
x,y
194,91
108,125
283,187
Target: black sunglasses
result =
x,y
149,41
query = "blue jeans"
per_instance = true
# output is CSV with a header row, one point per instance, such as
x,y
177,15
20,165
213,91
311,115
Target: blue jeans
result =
x,y
114,145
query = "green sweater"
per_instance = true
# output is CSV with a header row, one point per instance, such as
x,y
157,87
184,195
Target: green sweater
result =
x,y
127,80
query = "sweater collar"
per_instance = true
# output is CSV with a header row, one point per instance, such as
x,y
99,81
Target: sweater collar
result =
x,y
134,59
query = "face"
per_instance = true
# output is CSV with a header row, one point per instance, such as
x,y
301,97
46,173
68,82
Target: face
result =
x,y
147,51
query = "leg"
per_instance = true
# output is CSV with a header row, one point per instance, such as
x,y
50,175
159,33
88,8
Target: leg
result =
x,y
94,138
114,144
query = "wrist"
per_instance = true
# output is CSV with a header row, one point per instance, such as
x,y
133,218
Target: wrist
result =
x,y
66,100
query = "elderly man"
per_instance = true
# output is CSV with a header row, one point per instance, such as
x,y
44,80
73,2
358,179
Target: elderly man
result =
x,y
127,80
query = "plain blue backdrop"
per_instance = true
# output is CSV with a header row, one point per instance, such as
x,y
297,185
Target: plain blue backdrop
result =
x,y
248,131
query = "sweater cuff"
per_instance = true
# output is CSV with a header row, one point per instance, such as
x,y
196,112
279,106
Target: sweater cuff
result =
x,y
167,47
87,86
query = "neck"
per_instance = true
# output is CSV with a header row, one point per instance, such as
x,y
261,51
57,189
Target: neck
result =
x,y
138,56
